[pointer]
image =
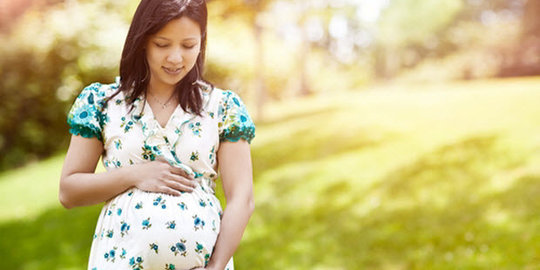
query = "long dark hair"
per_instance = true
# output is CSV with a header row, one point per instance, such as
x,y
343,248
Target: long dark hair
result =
x,y
149,18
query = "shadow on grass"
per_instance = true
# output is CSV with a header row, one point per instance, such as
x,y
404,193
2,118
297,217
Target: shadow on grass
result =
x,y
304,114
311,144
432,215
435,213
56,239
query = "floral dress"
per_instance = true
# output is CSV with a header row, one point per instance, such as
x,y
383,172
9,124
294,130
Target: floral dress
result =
x,y
147,230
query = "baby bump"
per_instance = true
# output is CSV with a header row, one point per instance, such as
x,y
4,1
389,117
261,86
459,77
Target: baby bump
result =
x,y
156,230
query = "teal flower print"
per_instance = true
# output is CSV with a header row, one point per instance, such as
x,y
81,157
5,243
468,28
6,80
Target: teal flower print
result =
x,y
127,125
139,205
199,248
136,263
221,111
118,144
146,224
147,153
110,255
124,228
85,117
123,254
194,156
212,154
235,123
113,162
202,203
182,206
236,101
198,223
206,259
110,233
171,224
154,247
195,128
170,266
179,247
178,131
119,211
159,201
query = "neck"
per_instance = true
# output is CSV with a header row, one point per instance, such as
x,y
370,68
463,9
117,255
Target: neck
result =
x,y
159,89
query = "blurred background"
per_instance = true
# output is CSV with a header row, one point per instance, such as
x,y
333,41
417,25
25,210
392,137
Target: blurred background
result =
x,y
391,134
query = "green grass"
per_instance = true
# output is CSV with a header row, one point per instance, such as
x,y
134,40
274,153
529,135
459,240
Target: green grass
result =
x,y
399,177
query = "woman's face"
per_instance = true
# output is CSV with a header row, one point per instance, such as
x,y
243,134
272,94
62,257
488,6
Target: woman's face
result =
x,y
172,52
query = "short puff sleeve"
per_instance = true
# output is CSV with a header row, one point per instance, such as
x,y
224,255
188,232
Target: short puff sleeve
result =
x,y
234,120
85,116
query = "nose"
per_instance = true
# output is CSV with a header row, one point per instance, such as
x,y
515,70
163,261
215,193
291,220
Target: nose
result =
x,y
175,57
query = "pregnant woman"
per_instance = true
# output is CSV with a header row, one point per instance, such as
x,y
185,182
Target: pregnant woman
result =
x,y
161,131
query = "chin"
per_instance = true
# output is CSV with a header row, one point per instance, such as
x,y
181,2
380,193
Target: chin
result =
x,y
172,81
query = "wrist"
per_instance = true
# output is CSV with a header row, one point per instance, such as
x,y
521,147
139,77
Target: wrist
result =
x,y
214,266
128,176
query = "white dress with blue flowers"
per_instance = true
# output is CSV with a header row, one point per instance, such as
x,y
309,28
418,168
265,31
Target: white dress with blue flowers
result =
x,y
147,230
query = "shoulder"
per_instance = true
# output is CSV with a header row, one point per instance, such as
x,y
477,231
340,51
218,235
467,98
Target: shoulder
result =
x,y
97,94
220,97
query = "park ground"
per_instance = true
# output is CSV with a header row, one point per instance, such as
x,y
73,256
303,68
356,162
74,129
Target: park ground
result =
x,y
402,176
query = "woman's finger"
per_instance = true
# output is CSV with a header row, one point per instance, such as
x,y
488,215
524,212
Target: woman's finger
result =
x,y
182,180
180,171
178,186
168,190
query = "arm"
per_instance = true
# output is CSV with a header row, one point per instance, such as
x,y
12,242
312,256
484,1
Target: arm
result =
x,y
237,177
80,186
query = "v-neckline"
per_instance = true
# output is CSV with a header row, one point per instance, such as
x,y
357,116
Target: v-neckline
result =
x,y
154,116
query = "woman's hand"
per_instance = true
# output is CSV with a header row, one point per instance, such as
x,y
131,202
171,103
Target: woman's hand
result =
x,y
160,176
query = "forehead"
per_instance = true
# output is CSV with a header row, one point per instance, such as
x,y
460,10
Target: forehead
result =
x,y
179,29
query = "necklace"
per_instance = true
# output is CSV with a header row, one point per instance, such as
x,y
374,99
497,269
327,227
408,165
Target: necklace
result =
x,y
163,105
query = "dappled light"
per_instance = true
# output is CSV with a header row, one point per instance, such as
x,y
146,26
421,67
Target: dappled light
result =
x,y
395,134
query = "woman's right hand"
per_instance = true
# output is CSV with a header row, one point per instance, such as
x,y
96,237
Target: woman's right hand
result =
x,y
160,176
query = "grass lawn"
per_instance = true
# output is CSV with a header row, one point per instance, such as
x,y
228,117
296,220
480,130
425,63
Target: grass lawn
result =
x,y
398,177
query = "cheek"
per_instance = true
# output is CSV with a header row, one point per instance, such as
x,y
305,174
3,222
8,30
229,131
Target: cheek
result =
x,y
152,56
194,54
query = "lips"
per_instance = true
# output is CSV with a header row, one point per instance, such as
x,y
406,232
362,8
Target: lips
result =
x,y
172,71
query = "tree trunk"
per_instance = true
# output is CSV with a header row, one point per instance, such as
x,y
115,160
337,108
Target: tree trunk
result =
x,y
531,23
259,71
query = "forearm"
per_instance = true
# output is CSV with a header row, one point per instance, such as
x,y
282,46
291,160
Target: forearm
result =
x,y
82,189
233,223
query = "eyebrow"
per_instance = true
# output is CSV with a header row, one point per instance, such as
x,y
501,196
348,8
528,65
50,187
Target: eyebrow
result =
x,y
185,39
